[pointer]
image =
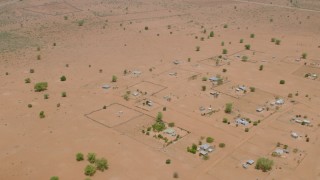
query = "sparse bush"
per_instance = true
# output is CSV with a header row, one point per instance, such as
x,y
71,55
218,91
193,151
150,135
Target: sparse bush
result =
x,y
247,46
222,145
40,86
211,34
224,70
278,41
203,88
244,58
63,94
101,164
264,164
260,67
175,175
224,51
29,105
273,39
146,28
91,157
168,161
252,35
304,56
27,80
54,178
241,41
90,170
204,78
126,97
171,124
42,115
246,130
252,89
79,157
81,22
222,43
63,78
209,140
198,48
31,71
225,120
46,96
225,26
228,108
282,82
114,78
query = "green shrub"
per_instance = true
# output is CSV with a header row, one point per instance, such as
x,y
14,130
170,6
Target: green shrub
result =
x,y
278,41
222,43
204,78
46,96
209,140
225,120
304,56
244,58
222,145
114,78
63,78
79,157
224,51
241,40
282,82
252,89
81,22
252,35
90,170
247,46
158,126
27,80
225,26
264,164
168,161
54,178
171,124
211,34
228,108
261,67
273,39
40,86
91,157
31,71
42,115
63,94
101,164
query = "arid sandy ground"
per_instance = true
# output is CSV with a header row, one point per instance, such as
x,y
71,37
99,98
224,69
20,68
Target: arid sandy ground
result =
x,y
48,37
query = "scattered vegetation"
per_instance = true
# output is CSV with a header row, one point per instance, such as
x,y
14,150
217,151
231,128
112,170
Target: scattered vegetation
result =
x,y
264,164
91,157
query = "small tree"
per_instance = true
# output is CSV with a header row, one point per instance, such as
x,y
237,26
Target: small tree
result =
x,y
91,157
209,140
90,170
63,78
40,86
79,157
264,164
101,164
114,78
159,117
228,108
282,82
